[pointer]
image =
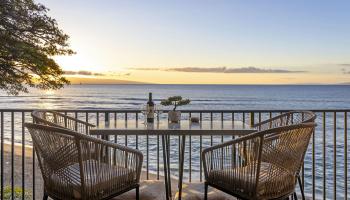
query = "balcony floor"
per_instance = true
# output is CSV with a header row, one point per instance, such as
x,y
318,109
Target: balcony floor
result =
x,y
154,190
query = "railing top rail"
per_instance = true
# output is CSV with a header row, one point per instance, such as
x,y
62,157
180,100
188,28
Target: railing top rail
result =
x,y
184,111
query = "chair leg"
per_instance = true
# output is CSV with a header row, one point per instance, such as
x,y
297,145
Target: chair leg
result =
x,y
206,191
301,188
45,197
138,193
295,197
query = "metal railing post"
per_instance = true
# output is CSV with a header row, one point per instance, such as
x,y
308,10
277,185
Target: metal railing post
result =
x,y
252,119
104,137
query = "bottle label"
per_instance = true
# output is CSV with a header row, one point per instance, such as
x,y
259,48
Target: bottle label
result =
x,y
150,113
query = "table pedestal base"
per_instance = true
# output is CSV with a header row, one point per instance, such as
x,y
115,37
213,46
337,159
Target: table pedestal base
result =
x,y
166,162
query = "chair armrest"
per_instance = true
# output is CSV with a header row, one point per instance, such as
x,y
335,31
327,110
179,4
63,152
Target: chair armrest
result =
x,y
236,153
74,119
285,119
271,120
123,160
71,123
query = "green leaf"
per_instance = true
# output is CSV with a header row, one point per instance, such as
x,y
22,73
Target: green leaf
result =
x,y
175,98
175,101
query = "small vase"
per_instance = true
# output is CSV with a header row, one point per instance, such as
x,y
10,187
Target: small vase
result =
x,y
174,116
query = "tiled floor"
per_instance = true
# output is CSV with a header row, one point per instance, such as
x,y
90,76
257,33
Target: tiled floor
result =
x,y
154,190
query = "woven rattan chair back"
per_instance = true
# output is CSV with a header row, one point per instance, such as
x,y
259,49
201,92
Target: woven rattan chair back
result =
x,y
285,119
284,150
55,152
53,118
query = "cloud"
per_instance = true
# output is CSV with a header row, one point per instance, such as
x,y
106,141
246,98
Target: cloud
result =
x,y
118,73
344,64
146,68
222,70
84,73
89,73
345,71
232,70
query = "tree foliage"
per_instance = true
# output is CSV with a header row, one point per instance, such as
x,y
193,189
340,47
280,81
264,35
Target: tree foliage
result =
x,y
175,101
17,193
28,40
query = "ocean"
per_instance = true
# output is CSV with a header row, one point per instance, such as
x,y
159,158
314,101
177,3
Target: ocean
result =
x,y
210,97
231,97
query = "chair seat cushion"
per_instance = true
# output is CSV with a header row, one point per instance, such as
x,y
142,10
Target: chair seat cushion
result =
x,y
273,180
100,178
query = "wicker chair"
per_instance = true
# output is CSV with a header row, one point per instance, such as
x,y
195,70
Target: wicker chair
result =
x,y
271,170
285,119
52,118
78,166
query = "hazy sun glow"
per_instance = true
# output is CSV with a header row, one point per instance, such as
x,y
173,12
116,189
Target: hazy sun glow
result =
x,y
49,92
113,37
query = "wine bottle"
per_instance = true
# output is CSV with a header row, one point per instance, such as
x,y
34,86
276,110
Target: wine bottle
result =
x,y
150,109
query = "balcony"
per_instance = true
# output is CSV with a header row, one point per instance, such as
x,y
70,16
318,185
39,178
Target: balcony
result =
x,y
324,173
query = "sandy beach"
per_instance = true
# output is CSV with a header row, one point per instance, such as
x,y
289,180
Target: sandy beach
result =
x,y
151,189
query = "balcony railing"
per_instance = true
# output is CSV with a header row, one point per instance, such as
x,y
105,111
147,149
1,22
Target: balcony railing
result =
x,y
324,174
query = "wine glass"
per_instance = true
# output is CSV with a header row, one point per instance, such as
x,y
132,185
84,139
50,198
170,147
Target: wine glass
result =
x,y
144,112
158,110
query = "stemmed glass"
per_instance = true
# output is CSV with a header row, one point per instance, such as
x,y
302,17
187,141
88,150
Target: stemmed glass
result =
x,y
158,110
143,109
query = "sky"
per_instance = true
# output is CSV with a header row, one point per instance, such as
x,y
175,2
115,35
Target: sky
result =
x,y
206,41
